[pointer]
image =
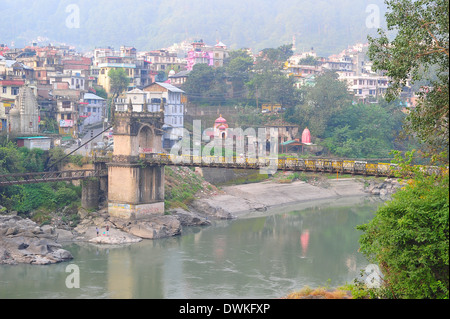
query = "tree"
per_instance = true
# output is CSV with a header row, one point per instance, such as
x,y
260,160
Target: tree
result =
x,y
363,131
409,239
409,235
206,83
321,103
421,43
238,67
119,81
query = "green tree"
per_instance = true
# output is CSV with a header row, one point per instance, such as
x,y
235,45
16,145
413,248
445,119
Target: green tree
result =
x,y
363,131
206,84
409,239
119,81
10,159
421,43
238,67
321,103
100,91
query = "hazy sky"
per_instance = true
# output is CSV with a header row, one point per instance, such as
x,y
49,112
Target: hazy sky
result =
x,y
257,24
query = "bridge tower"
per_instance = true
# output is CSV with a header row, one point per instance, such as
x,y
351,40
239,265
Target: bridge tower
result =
x,y
135,190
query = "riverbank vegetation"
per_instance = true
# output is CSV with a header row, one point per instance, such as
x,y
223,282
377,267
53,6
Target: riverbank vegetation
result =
x,y
409,236
38,201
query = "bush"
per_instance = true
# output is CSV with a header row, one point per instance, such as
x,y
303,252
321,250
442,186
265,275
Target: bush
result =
x,y
408,239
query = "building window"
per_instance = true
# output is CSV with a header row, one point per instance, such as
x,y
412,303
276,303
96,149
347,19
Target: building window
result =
x,y
14,90
5,89
66,104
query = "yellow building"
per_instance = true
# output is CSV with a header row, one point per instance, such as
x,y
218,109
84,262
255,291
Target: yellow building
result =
x,y
113,63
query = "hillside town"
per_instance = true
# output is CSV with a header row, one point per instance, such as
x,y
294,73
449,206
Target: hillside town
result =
x,y
55,90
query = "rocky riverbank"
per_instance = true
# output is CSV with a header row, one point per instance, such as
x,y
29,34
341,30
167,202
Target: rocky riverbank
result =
x,y
24,241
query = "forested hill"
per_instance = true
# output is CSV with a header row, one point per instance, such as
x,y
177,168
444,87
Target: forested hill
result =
x,y
327,25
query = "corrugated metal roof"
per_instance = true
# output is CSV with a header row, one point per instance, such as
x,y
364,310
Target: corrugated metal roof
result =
x,y
91,96
170,87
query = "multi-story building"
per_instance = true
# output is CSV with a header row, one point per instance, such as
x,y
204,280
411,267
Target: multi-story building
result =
x,y
151,99
210,55
14,70
92,109
9,90
365,87
67,102
163,60
138,70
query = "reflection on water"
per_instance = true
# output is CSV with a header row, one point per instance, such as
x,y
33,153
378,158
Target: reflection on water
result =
x,y
262,257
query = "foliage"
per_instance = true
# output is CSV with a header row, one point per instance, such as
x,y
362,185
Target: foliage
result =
x,y
319,104
309,60
420,45
10,159
119,81
408,238
57,157
364,131
238,67
47,196
101,92
28,198
48,124
205,83
268,83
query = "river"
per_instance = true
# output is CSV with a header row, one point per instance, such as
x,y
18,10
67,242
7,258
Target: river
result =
x,y
260,256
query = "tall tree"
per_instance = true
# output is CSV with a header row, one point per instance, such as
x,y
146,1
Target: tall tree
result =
x,y
321,103
421,43
119,81
238,67
205,83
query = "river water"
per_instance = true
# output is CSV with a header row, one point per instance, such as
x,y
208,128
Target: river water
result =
x,y
262,256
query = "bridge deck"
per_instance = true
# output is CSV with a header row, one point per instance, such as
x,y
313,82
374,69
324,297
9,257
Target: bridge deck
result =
x,y
283,164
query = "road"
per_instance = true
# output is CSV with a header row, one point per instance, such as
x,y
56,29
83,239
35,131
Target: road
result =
x,y
85,150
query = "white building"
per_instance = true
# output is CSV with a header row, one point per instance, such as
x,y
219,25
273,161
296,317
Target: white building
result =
x,y
92,109
151,98
365,86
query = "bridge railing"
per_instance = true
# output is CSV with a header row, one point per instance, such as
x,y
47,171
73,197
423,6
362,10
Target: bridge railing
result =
x,y
289,163
46,177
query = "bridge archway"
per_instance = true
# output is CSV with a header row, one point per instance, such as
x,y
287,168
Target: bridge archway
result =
x,y
146,139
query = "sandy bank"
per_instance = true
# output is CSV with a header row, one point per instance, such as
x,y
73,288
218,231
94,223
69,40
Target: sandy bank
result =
x,y
241,199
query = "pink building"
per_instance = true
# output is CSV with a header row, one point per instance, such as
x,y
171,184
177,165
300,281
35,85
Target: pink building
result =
x,y
199,55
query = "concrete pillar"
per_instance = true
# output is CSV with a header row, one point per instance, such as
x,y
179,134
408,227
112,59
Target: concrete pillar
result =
x,y
90,193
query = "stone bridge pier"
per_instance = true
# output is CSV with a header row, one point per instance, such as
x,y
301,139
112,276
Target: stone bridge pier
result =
x,y
136,191
94,188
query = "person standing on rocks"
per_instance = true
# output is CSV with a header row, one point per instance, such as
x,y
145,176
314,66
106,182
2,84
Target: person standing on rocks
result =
x,y
107,230
96,228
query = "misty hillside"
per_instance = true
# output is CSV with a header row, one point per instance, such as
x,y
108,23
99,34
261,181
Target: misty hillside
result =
x,y
326,25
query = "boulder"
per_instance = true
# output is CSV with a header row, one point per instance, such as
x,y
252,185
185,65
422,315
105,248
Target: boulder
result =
x,y
155,227
205,208
25,242
189,218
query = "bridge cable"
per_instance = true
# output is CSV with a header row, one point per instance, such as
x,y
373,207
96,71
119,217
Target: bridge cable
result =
x,y
48,168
